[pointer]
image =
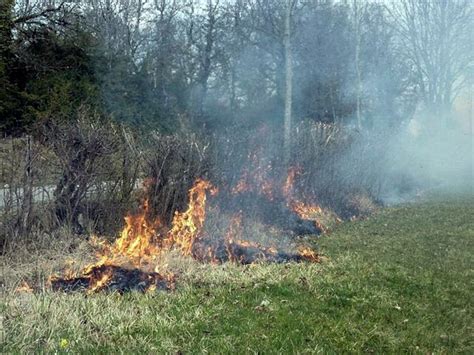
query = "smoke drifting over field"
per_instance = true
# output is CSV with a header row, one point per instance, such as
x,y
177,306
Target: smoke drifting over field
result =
x,y
424,155
415,158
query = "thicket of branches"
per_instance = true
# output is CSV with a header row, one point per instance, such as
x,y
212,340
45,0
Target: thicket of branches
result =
x,y
87,175
79,175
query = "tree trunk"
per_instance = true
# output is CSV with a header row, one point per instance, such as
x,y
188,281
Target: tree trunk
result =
x,y
27,203
357,62
288,85
6,25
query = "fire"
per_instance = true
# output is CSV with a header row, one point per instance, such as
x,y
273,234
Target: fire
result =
x,y
308,212
311,212
186,225
100,282
236,248
140,244
290,181
259,181
309,254
24,287
136,240
122,265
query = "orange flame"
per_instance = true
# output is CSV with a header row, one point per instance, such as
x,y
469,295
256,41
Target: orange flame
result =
x,y
187,225
305,211
309,254
290,181
100,282
141,244
24,287
308,212
137,238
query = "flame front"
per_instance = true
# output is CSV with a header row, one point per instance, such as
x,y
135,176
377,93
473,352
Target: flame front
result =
x,y
144,240
140,244
187,225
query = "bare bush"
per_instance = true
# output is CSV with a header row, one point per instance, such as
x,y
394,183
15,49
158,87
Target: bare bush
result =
x,y
78,147
173,164
79,175
338,164
97,171
21,192
335,164
88,171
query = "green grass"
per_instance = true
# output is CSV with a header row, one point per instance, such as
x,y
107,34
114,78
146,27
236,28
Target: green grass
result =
x,y
400,281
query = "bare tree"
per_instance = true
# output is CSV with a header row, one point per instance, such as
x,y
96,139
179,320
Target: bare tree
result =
x,y
357,19
41,13
288,82
165,49
206,49
435,37
205,39
273,22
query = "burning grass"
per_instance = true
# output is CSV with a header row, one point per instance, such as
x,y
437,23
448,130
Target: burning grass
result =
x,y
131,262
371,295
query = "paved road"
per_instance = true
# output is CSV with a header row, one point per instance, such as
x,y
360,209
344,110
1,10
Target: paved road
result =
x,y
12,197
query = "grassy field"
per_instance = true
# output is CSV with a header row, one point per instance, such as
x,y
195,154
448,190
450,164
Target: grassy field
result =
x,y
401,281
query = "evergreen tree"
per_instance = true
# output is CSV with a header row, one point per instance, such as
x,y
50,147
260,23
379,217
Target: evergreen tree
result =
x,y
10,97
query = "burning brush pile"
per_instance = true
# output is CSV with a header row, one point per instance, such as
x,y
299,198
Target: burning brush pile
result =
x,y
218,225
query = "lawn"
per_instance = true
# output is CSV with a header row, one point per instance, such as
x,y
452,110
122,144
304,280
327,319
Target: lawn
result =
x,y
400,281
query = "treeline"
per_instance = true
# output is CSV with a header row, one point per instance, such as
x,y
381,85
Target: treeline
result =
x,y
166,64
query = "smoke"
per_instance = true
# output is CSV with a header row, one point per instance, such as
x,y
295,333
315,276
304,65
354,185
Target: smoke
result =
x,y
244,91
427,154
